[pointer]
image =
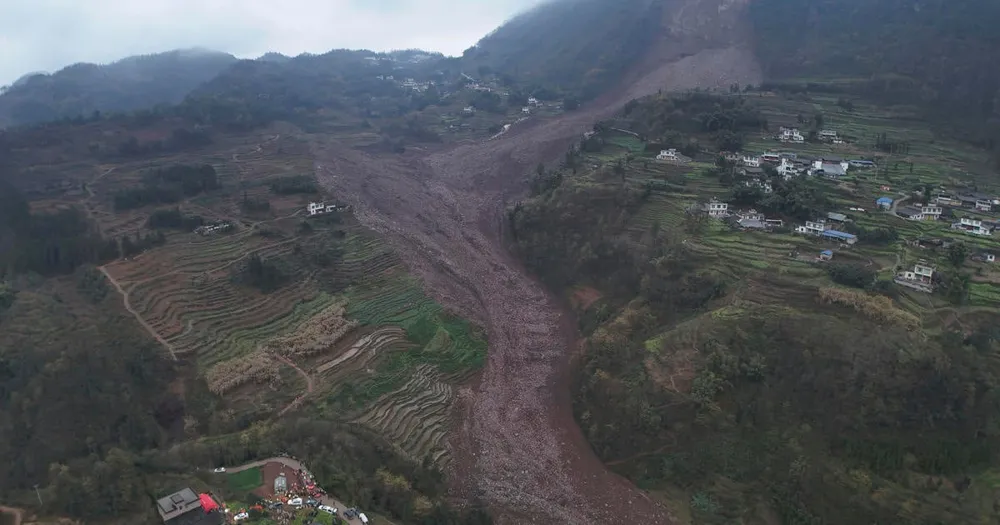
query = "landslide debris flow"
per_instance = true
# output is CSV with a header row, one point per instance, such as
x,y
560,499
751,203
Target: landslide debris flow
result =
x,y
516,446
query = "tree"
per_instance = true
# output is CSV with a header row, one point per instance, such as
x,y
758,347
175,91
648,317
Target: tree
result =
x,y
957,253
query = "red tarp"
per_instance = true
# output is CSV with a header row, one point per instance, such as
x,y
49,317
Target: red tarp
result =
x,y
207,503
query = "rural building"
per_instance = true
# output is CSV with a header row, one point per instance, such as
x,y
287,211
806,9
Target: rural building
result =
x,y
751,161
526,110
931,212
973,226
213,228
668,154
716,208
843,237
921,278
469,110
319,208
751,220
790,168
828,135
774,223
730,156
910,213
772,158
979,201
812,227
830,168
791,135
532,101
760,183
947,200
884,202
836,217
861,164
826,255
187,508
989,257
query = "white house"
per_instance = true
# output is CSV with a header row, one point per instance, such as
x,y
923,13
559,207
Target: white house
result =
x,y
751,161
828,135
532,101
319,208
526,110
716,208
931,212
921,278
469,110
751,215
812,227
788,169
984,205
668,154
973,226
791,135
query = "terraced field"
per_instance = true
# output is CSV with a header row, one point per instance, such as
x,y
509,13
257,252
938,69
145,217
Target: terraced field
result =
x,y
415,416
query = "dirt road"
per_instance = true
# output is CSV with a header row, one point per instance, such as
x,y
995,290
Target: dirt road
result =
x,y
17,513
517,447
128,306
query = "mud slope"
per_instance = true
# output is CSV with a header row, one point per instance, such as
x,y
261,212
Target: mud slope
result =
x,y
517,445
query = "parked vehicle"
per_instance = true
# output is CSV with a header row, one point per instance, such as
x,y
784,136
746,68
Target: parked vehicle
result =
x,y
295,502
327,509
350,513
241,516
220,469
312,503
363,518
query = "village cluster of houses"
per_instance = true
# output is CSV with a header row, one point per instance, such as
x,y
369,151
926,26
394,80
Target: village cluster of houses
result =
x,y
934,210
754,220
789,165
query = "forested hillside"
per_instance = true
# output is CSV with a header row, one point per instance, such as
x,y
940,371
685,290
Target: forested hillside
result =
x,y
729,378
939,54
129,84
576,47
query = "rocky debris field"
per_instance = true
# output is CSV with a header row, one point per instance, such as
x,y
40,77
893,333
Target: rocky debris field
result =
x,y
517,445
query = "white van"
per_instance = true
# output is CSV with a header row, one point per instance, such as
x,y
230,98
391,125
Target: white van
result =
x,y
363,518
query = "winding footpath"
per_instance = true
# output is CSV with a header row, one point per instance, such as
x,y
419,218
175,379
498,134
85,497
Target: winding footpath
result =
x,y
128,306
309,385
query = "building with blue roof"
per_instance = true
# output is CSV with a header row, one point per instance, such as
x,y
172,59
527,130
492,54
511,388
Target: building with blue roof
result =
x,y
884,203
826,255
840,236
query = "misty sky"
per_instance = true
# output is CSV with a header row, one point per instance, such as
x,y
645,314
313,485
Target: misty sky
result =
x,y
46,35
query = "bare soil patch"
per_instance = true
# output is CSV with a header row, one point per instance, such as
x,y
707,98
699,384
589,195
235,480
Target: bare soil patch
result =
x,y
584,297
